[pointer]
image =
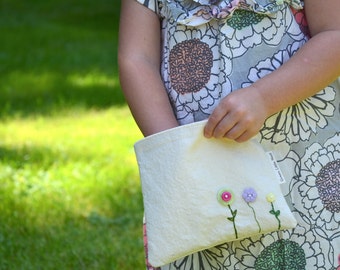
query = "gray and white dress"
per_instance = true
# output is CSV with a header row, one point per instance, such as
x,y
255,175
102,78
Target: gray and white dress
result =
x,y
213,47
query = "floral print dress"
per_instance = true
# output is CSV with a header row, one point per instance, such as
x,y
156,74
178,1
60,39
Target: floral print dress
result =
x,y
213,47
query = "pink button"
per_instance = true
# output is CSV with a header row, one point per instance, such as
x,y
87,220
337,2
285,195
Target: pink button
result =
x,y
226,196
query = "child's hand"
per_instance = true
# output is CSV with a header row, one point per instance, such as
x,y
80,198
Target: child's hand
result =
x,y
239,116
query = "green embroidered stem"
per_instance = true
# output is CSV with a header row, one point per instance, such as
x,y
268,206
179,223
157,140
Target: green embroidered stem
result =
x,y
276,214
232,219
258,224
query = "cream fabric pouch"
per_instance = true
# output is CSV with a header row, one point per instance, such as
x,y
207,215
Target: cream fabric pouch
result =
x,y
199,193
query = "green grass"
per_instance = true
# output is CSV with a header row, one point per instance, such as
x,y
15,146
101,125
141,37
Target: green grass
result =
x,y
69,187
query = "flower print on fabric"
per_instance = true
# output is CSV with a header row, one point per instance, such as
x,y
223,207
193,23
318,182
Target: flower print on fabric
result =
x,y
198,12
241,55
192,74
291,250
297,122
320,192
288,250
215,10
300,18
190,65
246,29
213,258
328,184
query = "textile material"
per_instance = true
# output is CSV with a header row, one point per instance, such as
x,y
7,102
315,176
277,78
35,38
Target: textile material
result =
x,y
199,192
211,48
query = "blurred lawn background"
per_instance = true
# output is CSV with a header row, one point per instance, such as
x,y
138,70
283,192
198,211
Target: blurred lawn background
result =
x,y
69,188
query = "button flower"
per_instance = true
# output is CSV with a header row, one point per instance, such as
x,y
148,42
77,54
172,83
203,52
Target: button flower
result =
x,y
249,195
271,199
226,198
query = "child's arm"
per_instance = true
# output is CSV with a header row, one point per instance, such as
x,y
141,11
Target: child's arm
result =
x,y
240,115
139,63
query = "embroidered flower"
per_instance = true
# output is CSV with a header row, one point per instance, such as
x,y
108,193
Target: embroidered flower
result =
x,y
226,198
276,213
249,195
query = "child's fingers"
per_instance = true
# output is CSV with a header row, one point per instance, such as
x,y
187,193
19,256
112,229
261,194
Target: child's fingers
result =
x,y
214,121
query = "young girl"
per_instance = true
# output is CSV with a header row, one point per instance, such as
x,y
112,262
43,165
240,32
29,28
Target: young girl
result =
x,y
252,68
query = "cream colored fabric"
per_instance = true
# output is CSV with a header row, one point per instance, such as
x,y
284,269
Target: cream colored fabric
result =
x,y
182,174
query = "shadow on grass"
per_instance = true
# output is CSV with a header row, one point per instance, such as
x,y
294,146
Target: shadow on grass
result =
x,y
58,55
28,96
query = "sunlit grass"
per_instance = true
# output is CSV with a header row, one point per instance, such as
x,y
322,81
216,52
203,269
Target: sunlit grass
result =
x,y
70,177
92,79
70,194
